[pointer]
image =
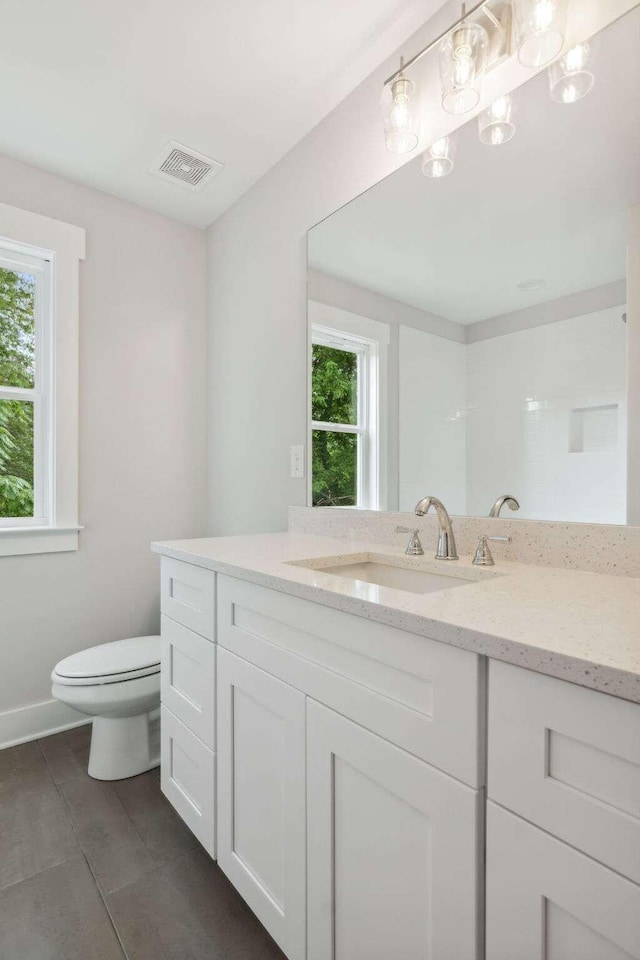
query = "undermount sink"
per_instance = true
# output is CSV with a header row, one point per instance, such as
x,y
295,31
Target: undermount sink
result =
x,y
400,578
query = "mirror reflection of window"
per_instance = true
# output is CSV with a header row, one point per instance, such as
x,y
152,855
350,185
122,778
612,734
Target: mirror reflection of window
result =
x,y
334,400
344,401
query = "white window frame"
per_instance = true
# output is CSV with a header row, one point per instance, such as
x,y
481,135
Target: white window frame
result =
x,y
51,250
367,429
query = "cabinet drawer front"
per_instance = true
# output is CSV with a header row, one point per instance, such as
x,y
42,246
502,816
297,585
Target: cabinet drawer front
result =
x,y
567,759
424,696
187,595
188,778
261,797
188,678
394,850
547,901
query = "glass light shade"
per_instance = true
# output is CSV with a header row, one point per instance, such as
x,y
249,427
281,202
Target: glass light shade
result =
x,y
495,124
400,124
540,28
437,161
462,59
570,77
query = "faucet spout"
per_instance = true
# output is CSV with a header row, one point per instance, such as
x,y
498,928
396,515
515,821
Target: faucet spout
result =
x,y
500,502
446,540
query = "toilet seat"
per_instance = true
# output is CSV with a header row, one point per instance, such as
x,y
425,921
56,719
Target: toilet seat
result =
x,y
113,662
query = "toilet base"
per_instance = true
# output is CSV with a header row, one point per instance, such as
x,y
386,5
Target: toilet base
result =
x,y
123,747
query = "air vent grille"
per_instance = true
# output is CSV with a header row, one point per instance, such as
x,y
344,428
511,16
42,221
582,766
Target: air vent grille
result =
x,y
185,166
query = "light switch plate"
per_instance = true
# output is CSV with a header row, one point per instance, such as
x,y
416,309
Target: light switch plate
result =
x,y
297,462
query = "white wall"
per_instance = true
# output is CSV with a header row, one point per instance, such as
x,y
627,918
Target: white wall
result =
x,y
633,363
258,344
432,425
334,292
521,391
142,439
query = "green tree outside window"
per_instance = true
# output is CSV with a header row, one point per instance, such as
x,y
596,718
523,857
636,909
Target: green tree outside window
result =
x,y
17,369
334,399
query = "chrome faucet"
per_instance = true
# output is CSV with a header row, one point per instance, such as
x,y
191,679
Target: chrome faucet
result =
x,y
500,502
446,540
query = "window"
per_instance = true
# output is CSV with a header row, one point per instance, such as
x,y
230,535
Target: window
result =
x,y
38,382
344,420
25,389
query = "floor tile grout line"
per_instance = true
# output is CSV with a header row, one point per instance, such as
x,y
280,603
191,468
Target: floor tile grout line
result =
x,y
113,793
157,865
137,832
106,907
102,896
50,866
36,873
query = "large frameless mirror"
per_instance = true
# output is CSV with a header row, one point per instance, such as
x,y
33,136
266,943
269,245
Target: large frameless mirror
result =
x,y
468,321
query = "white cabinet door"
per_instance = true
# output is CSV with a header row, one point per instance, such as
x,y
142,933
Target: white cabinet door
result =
x,y
188,678
187,777
261,796
568,760
393,850
547,901
188,595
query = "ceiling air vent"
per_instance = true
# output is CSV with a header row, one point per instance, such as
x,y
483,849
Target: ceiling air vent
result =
x,y
185,166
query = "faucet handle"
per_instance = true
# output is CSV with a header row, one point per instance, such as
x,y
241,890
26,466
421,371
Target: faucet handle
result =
x,y
414,547
483,557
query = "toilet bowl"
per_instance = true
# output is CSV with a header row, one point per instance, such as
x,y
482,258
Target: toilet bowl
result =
x,y
118,684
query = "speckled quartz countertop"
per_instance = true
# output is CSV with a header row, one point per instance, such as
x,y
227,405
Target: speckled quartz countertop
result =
x,y
582,627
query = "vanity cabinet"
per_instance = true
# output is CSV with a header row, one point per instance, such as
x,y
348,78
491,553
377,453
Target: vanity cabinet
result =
x,y
336,767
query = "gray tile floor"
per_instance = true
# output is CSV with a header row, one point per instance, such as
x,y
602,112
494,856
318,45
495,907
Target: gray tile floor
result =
x,y
107,871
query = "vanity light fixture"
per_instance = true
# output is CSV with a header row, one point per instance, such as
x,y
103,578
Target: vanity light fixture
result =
x,y
495,124
540,30
464,50
462,59
437,160
569,77
400,124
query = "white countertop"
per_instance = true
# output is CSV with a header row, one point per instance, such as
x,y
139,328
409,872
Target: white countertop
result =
x,y
581,627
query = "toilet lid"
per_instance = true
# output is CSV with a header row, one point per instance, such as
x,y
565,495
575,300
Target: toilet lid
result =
x,y
135,657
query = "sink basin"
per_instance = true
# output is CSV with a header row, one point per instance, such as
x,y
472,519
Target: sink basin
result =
x,y
400,578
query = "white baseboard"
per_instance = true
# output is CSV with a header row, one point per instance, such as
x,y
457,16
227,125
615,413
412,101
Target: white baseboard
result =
x,y
37,720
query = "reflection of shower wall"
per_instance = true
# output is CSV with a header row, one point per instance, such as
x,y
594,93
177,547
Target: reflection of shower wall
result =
x,y
546,417
540,414
432,433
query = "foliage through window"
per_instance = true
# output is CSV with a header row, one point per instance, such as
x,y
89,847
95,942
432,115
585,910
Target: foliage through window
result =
x,y
342,395
23,387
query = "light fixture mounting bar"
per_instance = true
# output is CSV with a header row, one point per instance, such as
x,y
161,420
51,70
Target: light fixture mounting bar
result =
x,y
434,43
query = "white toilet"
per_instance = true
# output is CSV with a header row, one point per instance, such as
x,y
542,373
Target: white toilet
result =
x,y
118,684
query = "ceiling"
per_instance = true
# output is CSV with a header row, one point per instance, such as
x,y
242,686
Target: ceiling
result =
x,y
551,204
94,91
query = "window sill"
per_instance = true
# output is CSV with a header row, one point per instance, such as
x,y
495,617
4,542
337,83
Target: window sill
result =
x,y
18,541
